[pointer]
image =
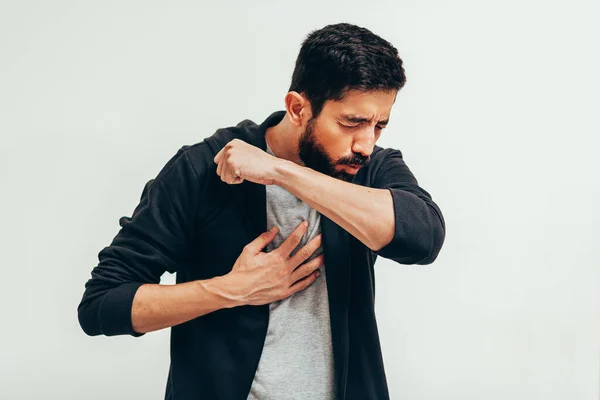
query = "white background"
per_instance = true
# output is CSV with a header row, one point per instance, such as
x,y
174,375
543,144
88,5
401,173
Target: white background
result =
x,y
496,121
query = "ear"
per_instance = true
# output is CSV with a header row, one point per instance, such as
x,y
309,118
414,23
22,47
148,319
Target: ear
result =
x,y
298,108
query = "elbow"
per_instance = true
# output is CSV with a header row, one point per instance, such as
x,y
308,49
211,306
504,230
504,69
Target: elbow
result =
x,y
424,247
419,230
428,252
88,321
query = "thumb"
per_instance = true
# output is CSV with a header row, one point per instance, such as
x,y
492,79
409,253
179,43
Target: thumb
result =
x,y
218,156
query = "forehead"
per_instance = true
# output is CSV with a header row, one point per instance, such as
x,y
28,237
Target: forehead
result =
x,y
372,104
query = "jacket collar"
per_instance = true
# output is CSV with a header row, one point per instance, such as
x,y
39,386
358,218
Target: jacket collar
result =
x,y
247,131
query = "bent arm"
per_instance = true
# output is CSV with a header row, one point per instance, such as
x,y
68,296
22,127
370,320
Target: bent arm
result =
x,y
395,218
155,239
366,213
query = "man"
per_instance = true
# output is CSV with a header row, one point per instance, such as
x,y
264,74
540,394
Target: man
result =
x,y
273,230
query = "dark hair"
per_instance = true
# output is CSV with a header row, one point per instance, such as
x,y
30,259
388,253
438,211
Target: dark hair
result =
x,y
343,57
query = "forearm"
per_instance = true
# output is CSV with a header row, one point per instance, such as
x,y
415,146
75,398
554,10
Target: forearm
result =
x,y
366,213
157,306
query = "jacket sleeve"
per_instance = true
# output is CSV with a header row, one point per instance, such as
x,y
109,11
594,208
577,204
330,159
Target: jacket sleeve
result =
x,y
153,240
420,228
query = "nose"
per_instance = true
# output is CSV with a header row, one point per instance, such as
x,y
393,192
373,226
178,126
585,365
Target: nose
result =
x,y
364,142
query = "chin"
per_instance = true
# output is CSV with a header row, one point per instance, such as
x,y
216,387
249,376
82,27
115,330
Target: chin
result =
x,y
343,176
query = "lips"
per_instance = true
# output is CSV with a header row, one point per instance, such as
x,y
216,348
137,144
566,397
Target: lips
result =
x,y
353,168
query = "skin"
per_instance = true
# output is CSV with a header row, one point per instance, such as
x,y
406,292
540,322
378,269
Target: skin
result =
x,y
311,162
256,278
366,213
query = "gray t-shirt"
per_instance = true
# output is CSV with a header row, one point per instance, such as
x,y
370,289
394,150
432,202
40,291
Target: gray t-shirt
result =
x,y
297,358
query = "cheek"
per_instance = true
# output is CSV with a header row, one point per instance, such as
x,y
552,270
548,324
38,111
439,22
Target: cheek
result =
x,y
337,142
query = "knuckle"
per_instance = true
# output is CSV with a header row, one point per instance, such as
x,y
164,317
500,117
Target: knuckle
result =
x,y
281,275
278,259
283,293
305,253
264,235
307,269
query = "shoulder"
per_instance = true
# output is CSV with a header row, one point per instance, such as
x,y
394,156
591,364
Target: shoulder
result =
x,y
195,162
199,155
186,172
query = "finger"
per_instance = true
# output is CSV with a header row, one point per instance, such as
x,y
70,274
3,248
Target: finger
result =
x,y
220,167
303,283
293,240
218,156
258,244
305,252
233,176
306,269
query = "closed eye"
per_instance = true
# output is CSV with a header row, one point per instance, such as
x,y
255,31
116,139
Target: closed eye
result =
x,y
380,127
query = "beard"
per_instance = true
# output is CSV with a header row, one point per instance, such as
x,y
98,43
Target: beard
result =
x,y
314,156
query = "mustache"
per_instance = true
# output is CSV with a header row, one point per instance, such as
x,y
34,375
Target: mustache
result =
x,y
355,159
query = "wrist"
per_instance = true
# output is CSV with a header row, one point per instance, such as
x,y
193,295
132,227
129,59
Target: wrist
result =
x,y
219,288
282,171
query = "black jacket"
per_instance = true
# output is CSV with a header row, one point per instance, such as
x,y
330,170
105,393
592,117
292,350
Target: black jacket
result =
x,y
189,222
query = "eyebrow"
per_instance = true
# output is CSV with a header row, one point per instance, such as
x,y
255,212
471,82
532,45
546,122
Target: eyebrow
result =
x,y
357,119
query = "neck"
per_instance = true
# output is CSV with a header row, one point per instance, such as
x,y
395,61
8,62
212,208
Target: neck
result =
x,y
283,140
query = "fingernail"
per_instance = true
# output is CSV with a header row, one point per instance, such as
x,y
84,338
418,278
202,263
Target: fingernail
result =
x,y
305,223
318,273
